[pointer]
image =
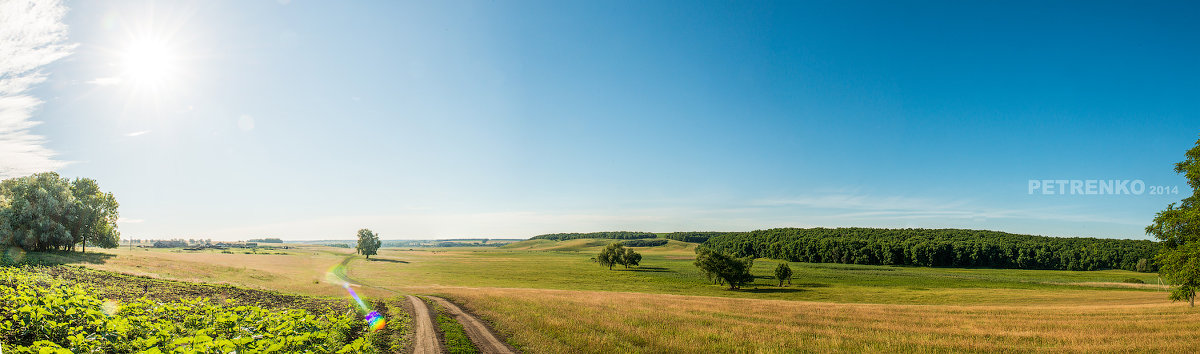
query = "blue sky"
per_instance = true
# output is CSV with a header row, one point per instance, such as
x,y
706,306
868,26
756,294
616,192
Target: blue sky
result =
x,y
310,120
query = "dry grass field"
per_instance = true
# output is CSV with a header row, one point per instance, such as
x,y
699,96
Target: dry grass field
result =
x,y
555,321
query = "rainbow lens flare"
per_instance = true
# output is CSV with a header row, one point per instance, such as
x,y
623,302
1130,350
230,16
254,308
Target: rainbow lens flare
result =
x,y
375,321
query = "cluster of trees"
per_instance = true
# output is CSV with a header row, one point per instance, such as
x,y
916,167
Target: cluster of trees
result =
x,y
45,211
615,254
616,235
645,243
723,268
693,236
1179,230
266,240
368,243
936,247
170,244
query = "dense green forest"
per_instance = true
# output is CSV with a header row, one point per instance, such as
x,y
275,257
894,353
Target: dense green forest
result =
x,y
693,236
936,247
616,235
645,243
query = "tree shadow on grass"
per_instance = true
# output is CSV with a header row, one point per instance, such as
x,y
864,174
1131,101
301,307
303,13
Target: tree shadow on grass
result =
x,y
645,269
771,290
15,256
386,260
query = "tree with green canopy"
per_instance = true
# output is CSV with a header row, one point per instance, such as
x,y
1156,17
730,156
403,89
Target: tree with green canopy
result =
x,y
723,268
368,242
631,258
45,211
96,215
1179,230
783,272
611,255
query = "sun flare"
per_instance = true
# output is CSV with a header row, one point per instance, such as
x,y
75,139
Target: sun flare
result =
x,y
149,63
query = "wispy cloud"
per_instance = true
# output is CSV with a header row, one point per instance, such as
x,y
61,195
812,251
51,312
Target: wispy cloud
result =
x,y
138,133
32,35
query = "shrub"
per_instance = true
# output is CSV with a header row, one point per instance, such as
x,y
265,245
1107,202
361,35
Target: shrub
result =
x,y
1134,281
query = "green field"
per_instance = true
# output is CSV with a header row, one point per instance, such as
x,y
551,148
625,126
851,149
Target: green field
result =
x,y
668,269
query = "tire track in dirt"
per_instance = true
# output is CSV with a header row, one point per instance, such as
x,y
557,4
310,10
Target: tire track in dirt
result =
x,y
425,336
483,337
425,339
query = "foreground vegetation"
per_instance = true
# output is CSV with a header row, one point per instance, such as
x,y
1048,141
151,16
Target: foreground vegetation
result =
x,y
40,314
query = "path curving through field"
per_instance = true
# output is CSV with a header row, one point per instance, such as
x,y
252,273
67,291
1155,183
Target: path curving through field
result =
x,y
425,337
425,340
483,337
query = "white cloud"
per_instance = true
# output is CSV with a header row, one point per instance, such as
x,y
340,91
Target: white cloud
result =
x,y
32,35
138,133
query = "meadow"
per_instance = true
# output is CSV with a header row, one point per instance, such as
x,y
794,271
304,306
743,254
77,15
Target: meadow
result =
x,y
549,296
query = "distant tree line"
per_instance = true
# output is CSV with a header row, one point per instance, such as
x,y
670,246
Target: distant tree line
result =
x,y
467,244
45,211
938,247
170,244
645,243
266,240
616,235
693,236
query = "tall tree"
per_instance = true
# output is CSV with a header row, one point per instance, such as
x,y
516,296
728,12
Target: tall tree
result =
x,y
1179,229
95,215
783,272
368,242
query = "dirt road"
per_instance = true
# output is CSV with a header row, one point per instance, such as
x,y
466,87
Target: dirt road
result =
x,y
425,340
480,334
425,337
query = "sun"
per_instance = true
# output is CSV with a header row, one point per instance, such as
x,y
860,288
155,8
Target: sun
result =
x,y
148,63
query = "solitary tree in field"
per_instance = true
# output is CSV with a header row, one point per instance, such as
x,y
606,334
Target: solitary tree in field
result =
x,y
1179,231
723,268
783,272
611,255
368,243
